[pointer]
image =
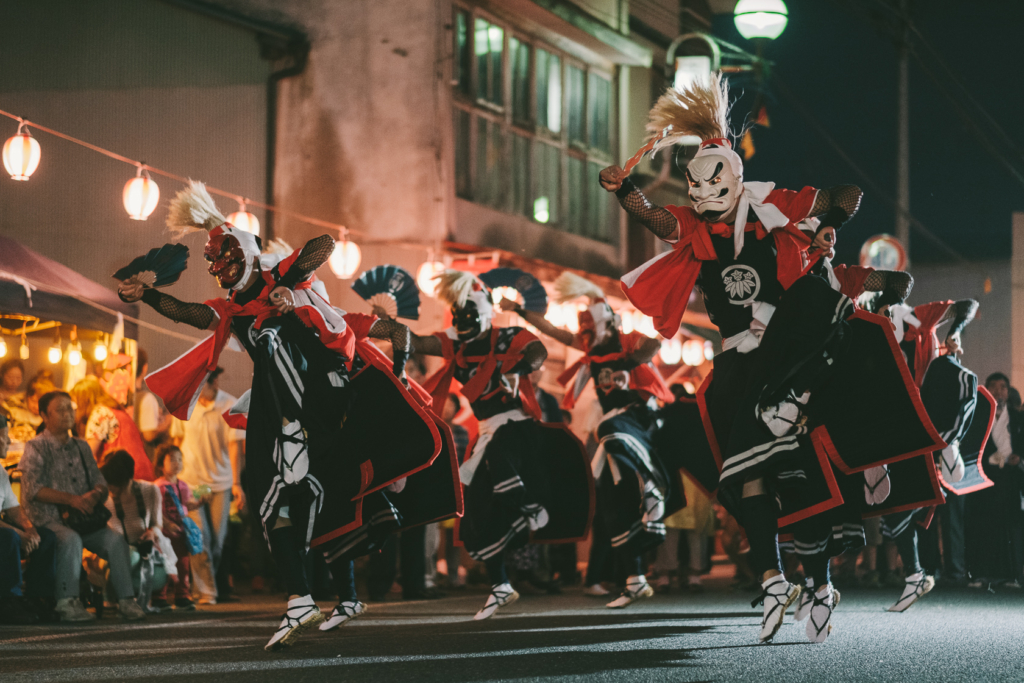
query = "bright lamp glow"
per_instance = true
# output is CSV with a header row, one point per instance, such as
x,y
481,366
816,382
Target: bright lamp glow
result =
x,y
3,348
671,351
23,350
21,154
426,277
99,352
54,354
74,354
693,352
140,196
245,221
345,259
541,212
760,18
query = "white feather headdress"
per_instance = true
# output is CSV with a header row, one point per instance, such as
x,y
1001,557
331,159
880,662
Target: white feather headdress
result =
x,y
455,287
570,286
701,110
193,209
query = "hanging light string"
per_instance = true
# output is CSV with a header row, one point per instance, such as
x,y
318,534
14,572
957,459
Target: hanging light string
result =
x,y
342,230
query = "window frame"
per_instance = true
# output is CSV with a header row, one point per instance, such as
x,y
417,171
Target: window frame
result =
x,y
504,115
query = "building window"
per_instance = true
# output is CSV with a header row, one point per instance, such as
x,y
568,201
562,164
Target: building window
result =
x,y
532,128
489,44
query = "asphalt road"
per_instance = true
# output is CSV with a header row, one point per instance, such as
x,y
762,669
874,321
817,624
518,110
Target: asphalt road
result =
x,y
953,635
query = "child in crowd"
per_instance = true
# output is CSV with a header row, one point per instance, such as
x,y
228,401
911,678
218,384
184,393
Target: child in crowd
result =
x,y
177,501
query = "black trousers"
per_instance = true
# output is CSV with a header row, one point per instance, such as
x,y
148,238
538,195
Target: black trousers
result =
x,y
409,549
954,564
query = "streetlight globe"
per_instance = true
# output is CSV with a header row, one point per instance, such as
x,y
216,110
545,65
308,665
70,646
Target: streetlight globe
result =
x,y
760,18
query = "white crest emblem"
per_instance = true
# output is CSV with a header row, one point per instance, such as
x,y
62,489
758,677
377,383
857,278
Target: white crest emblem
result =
x,y
741,284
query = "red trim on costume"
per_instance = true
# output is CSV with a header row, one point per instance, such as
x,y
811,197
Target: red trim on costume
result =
x,y
590,485
705,417
924,337
983,394
851,279
912,389
351,526
836,498
365,477
937,499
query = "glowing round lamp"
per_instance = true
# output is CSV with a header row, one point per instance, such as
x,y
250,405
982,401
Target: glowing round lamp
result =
x,y
345,259
54,354
140,196
21,154
671,351
74,354
245,221
760,18
99,352
23,350
3,348
693,352
426,277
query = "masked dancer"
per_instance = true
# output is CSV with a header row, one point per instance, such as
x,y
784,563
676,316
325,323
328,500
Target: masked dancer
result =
x,y
522,479
317,469
632,483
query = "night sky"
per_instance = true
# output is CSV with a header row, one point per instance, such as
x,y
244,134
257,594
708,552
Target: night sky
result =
x,y
839,61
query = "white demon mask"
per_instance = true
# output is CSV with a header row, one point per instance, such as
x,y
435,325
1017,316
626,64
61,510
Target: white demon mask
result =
x,y
716,181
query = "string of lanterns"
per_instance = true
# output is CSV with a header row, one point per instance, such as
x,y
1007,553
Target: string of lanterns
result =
x,y
141,194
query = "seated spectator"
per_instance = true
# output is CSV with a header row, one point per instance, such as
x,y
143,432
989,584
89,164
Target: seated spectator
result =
x,y
18,539
12,374
136,511
59,476
107,427
21,419
177,497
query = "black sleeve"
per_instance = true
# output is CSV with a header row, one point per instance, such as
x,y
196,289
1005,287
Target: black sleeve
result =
x,y
313,255
400,338
199,316
894,285
657,219
962,313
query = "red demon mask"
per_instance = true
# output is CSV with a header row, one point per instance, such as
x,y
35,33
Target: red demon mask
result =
x,y
226,258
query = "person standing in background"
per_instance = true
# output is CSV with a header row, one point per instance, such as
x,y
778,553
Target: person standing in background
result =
x,y
107,427
212,457
153,421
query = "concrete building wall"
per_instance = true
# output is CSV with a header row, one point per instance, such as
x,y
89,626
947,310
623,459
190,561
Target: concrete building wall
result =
x,y
987,340
152,82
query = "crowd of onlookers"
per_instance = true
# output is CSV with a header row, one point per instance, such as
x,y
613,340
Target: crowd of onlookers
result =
x,y
122,505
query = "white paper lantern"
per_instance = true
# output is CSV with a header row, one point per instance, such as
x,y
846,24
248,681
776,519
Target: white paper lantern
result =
x,y
426,277
245,221
140,196
345,259
693,352
21,154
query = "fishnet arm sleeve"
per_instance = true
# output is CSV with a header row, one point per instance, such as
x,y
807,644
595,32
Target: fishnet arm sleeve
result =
x,y
534,354
894,285
837,205
655,218
400,338
313,255
429,345
199,316
961,313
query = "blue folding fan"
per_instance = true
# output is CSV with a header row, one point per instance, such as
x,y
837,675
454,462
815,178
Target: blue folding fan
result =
x,y
534,297
393,289
162,266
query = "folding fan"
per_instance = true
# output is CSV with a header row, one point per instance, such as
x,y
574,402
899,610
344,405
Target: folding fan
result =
x,y
391,288
162,266
534,297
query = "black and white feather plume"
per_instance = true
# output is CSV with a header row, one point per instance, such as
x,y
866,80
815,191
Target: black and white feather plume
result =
x,y
159,268
392,288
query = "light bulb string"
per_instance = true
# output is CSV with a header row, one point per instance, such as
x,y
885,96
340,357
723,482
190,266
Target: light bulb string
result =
x,y
141,166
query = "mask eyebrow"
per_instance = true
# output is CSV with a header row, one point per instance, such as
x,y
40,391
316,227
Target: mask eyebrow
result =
x,y
718,169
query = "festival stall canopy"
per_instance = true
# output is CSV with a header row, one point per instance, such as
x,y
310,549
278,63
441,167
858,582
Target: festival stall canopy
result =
x,y
33,285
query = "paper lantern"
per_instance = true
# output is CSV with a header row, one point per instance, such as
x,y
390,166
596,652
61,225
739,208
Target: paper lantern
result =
x,y
54,354
140,196
671,351
21,154
760,18
426,277
693,352
245,221
99,351
23,349
3,348
345,259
